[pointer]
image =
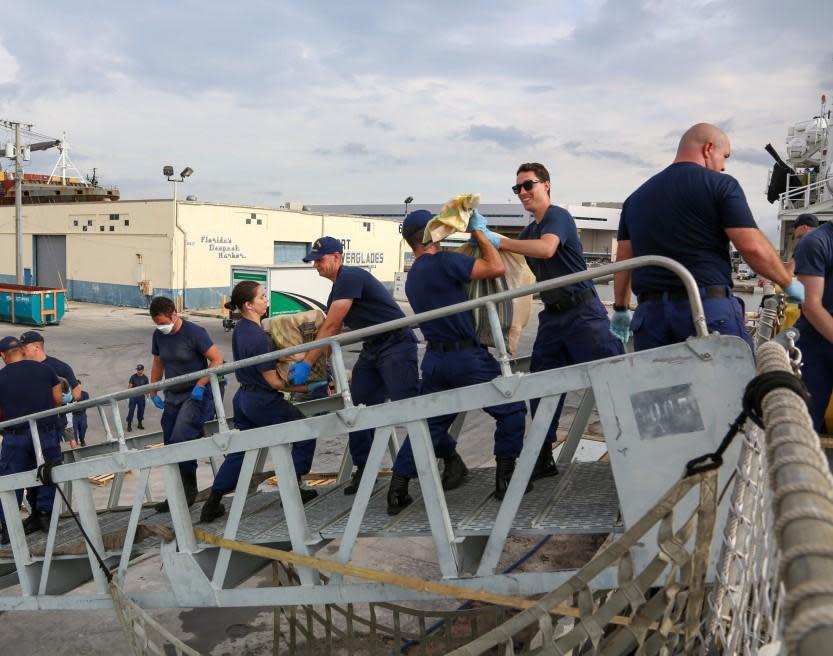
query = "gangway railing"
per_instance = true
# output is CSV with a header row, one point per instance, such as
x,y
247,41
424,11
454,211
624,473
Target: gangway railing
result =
x,y
200,576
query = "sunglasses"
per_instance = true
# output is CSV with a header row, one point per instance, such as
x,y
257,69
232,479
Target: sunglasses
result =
x,y
526,185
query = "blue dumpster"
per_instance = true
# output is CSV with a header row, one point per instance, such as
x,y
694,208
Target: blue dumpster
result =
x,y
34,306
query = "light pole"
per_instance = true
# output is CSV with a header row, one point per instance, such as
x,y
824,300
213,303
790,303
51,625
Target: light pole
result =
x,y
408,201
168,172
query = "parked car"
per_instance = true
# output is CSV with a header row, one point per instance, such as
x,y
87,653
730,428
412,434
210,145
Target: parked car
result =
x,y
745,272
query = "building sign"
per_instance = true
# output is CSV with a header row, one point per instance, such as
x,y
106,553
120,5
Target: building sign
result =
x,y
223,247
367,259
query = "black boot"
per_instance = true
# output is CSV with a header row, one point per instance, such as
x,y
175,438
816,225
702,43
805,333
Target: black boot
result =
x,y
189,485
454,471
141,427
398,497
36,521
545,465
4,535
353,486
503,474
129,428
306,493
212,508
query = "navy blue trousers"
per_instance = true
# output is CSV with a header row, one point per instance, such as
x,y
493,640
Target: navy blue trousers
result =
x,y
573,336
79,426
18,455
253,410
658,323
816,371
183,419
448,370
136,404
383,371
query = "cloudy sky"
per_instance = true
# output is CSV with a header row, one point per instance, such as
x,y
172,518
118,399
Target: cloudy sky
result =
x,y
369,102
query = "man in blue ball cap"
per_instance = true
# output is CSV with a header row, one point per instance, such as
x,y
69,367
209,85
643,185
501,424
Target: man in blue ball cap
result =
x,y
454,357
26,387
387,364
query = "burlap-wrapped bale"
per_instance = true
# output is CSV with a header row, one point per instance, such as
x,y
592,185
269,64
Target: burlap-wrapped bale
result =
x,y
288,330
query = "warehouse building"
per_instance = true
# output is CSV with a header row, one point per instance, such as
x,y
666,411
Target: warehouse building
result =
x,y
125,252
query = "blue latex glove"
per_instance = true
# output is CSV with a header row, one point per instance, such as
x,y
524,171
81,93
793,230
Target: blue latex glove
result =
x,y
299,373
620,325
159,403
198,393
67,397
477,222
318,384
492,237
795,291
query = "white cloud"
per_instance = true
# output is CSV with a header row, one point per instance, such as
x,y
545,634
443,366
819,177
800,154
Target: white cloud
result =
x,y
8,66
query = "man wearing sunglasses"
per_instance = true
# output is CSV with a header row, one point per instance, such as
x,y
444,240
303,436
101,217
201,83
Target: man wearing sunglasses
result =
x,y
690,212
573,326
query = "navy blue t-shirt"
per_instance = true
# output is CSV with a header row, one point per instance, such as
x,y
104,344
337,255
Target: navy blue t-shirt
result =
x,y
814,257
182,352
436,281
568,258
137,381
26,387
372,303
62,369
683,212
249,340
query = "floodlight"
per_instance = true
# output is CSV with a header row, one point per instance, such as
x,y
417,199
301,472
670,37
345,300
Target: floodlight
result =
x,y
168,171
186,172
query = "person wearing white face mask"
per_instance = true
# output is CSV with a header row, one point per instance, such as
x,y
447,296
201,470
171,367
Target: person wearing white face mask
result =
x,y
181,347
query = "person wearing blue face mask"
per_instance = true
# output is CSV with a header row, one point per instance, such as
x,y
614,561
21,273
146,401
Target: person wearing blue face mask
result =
x,y
181,347
32,344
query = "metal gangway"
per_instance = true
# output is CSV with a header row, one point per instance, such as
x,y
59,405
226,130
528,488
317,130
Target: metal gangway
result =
x,y
658,409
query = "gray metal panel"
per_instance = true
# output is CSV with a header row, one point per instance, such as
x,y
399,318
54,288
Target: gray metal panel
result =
x,y
51,261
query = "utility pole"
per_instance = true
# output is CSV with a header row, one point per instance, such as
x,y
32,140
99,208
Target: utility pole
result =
x,y
21,153
18,205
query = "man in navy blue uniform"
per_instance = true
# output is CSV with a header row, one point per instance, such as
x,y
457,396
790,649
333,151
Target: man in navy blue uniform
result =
x,y
27,386
387,365
573,326
181,347
136,403
34,349
814,267
690,212
454,357
79,422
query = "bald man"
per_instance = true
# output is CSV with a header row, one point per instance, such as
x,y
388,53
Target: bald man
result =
x,y
690,212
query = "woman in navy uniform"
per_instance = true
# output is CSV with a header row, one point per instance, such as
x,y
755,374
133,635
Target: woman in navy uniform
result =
x,y
259,401
26,387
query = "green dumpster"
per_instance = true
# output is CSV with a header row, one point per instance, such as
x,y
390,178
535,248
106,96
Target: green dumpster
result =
x,y
34,306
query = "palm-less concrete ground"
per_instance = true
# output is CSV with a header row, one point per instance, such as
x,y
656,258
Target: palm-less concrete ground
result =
x,y
104,344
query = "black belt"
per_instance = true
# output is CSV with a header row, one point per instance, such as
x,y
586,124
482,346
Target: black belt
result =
x,y
257,388
682,295
24,430
384,337
570,302
461,345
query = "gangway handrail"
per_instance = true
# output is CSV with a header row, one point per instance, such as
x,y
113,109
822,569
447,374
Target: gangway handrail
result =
x,y
337,341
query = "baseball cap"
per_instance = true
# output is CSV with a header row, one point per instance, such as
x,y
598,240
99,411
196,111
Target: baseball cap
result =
x,y
415,222
140,366
30,336
9,343
806,220
322,247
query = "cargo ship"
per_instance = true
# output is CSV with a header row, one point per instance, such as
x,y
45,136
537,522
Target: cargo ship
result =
x,y
54,189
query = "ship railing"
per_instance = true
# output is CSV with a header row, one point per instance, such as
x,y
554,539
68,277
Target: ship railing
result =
x,y
804,196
